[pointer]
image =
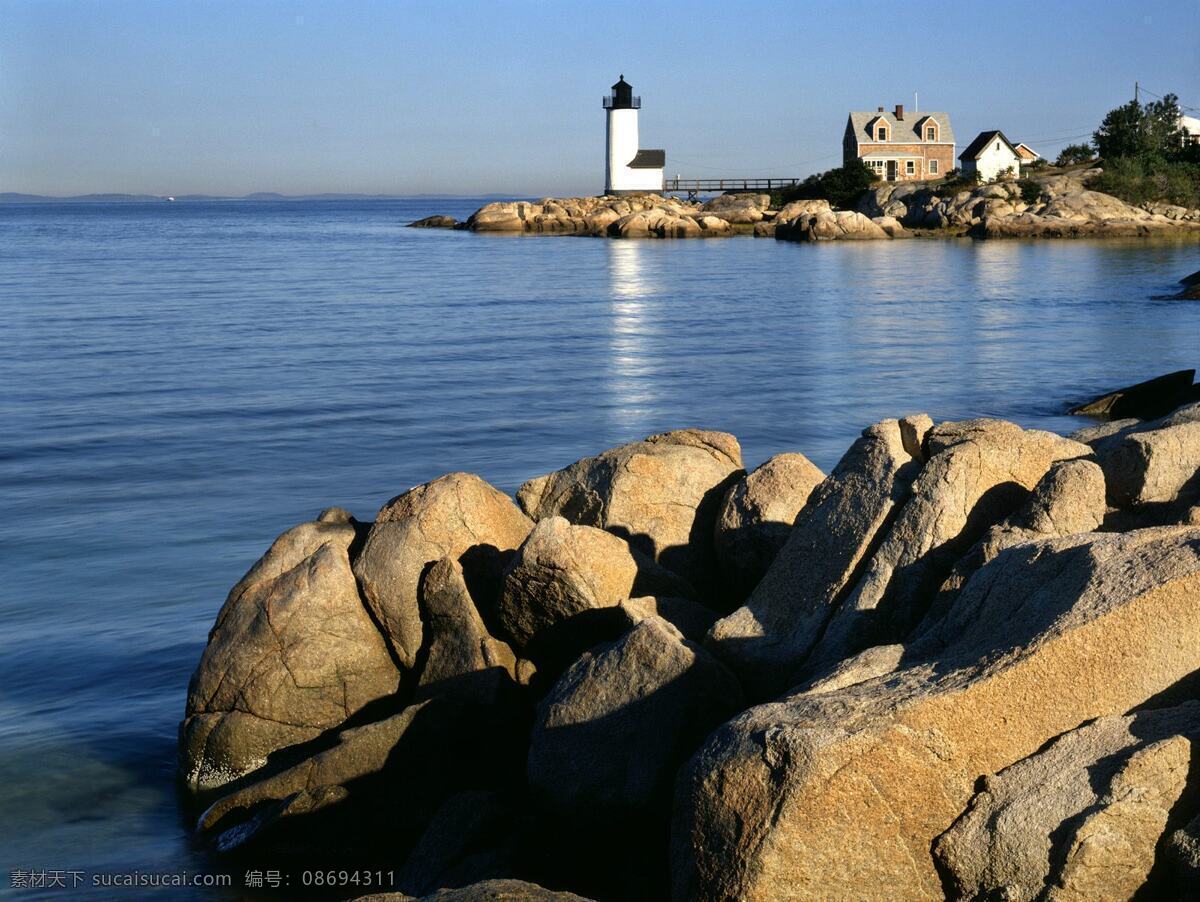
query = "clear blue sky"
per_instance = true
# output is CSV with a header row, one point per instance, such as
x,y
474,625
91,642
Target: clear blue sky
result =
x,y
176,96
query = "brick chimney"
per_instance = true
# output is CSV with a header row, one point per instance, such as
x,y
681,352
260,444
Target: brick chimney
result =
x,y
899,112
881,109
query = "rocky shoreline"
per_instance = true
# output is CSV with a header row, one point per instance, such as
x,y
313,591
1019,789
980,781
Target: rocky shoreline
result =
x,y
1065,208
965,663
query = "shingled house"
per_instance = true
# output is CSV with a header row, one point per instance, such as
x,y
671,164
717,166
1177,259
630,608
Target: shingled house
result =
x,y
900,147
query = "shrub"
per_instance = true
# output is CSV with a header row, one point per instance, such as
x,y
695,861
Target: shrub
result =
x,y
1075,153
1141,180
1031,191
842,187
956,180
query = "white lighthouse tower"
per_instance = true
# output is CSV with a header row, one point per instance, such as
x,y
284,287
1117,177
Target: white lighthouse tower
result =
x,y
627,169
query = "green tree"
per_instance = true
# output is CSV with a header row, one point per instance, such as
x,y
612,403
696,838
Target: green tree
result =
x,y
1141,130
842,187
1075,153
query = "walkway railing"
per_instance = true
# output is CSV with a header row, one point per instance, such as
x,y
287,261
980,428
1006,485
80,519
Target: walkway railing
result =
x,y
702,186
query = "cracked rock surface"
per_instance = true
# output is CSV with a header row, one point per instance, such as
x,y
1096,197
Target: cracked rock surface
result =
x,y
293,653
458,516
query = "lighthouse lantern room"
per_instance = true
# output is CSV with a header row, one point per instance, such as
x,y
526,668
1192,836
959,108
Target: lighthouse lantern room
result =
x,y
628,169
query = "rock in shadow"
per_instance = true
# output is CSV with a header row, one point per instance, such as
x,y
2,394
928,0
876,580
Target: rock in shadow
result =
x,y
368,798
606,745
1145,400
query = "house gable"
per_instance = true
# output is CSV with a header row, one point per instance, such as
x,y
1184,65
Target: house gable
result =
x,y
928,128
983,141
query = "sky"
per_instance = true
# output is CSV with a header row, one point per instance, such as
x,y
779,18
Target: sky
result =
x,y
178,97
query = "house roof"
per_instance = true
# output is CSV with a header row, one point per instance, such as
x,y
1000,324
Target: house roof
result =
x,y
982,140
899,132
1025,152
649,159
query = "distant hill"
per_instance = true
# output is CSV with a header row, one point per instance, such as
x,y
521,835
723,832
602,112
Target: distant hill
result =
x,y
13,197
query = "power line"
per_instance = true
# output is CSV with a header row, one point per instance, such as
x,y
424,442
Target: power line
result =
x,y
1190,109
1058,137
1048,140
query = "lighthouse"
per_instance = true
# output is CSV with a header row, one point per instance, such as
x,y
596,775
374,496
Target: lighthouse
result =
x,y
628,169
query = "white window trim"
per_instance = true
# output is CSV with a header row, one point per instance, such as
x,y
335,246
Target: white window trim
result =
x,y
931,128
881,133
932,166
910,167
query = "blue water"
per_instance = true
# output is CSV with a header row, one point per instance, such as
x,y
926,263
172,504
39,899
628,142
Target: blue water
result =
x,y
182,382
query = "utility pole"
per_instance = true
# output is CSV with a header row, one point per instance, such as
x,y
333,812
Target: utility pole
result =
x,y
1136,88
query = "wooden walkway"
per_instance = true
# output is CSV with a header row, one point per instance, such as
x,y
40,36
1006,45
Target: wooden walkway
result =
x,y
695,187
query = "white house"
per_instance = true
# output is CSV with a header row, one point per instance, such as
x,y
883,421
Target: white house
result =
x,y
628,169
1190,126
990,155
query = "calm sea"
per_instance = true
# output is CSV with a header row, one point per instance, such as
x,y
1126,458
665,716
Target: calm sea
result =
x,y
181,382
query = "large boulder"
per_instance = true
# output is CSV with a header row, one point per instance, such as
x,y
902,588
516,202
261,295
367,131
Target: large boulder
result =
x,y
1146,400
797,208
1092,206
757,514
692,619
978,473
1191,287
767,639
473,836
293,653
662,495
610,735
1069,499
459,516
829,225
461,656
1082,818
738,209
496,890
841,793
386,778
667,222
434,222
1154,466
562,570
359,752
1181,854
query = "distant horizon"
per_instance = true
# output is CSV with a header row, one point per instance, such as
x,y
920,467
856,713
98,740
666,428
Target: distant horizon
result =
x,y
10,196
309,97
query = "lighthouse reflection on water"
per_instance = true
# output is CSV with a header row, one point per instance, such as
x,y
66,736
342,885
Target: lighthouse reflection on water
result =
x,y
633,333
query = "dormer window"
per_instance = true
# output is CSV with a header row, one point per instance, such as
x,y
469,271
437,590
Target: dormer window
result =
x,y
881,133
931,133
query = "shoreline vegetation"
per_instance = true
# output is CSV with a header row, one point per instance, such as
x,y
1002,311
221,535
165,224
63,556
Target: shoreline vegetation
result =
x,y
962,663
1048,204
1149,185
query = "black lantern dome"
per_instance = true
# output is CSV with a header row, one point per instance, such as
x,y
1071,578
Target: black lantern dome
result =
x,y
622,97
